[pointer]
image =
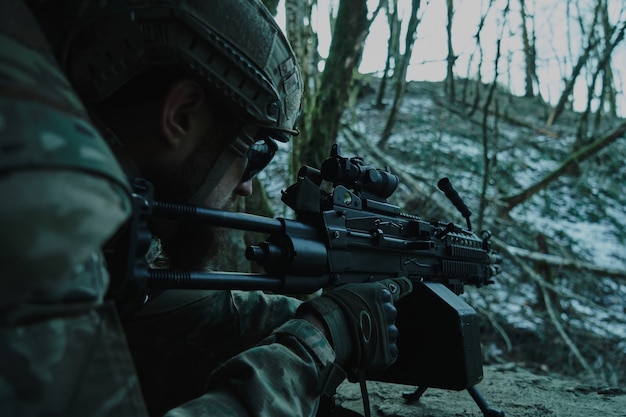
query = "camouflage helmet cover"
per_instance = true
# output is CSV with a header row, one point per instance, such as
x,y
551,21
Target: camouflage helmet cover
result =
x,y
234,47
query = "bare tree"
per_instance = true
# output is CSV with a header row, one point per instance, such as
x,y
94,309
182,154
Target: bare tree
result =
x,y
591,43
608,94
487,158
530,52
400,78
451,59
393,49
479,47
321,120
603,63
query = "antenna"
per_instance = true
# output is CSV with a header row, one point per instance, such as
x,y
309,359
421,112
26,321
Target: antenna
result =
x,y
445,185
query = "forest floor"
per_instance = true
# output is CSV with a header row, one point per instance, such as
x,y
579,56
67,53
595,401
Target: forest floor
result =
x,y
506,387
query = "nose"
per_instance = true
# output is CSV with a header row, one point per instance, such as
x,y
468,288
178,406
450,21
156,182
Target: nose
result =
x,y
244,189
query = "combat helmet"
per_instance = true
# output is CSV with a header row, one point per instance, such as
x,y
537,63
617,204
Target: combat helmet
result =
x,y
234,47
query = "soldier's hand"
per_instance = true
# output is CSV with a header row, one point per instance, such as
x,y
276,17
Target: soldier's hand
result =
x,y
360,321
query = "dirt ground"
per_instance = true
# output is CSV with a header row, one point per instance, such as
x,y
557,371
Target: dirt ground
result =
x,y
515,391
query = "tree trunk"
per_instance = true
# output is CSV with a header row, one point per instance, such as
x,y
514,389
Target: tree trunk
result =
x,y
546,272
400,78
478,84
530,73
449,83
487,159
608,95
322,120
393,50
304,42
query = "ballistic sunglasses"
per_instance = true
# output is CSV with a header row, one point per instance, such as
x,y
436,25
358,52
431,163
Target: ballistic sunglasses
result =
x,y
259,155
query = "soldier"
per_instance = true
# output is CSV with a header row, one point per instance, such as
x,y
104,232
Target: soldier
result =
x,y
191,95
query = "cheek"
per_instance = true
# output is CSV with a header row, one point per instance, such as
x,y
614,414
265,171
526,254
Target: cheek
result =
x,y
236,169
223,194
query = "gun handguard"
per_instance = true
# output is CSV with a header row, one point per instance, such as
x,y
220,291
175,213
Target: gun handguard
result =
x,y
355,235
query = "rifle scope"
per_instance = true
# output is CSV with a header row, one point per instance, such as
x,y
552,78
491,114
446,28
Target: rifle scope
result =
x,y
351,173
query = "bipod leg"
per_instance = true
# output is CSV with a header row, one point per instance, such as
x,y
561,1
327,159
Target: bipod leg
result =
x,y
411,397
482,403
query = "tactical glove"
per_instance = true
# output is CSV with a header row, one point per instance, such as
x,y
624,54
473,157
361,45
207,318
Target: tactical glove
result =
x,y
360,320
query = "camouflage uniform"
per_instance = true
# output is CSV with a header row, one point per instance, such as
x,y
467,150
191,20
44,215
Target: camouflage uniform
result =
x,y
178,339
62,196
62,348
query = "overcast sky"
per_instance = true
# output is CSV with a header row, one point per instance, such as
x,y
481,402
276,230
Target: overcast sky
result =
x,y
555,53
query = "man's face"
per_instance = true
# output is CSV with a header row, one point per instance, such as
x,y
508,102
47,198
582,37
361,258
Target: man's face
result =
x,y
193,245
230,187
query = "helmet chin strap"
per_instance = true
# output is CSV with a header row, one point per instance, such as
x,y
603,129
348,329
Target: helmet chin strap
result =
x,y
238,148
215,174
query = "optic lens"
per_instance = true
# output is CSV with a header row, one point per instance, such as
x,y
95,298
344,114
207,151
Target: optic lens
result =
x,y
259,155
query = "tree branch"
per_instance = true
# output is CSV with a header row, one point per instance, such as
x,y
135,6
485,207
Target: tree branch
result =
x,y
571,161
566,263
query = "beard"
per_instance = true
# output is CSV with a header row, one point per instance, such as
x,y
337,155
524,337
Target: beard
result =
x,y
192,246
188,245
179,183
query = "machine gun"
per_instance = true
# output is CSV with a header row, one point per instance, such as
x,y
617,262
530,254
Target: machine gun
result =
x,y
348,235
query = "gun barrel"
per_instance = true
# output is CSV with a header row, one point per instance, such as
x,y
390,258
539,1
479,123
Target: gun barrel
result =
x,y
163,278
222,218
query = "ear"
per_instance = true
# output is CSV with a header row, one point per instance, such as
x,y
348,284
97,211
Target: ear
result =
x,y
181,105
